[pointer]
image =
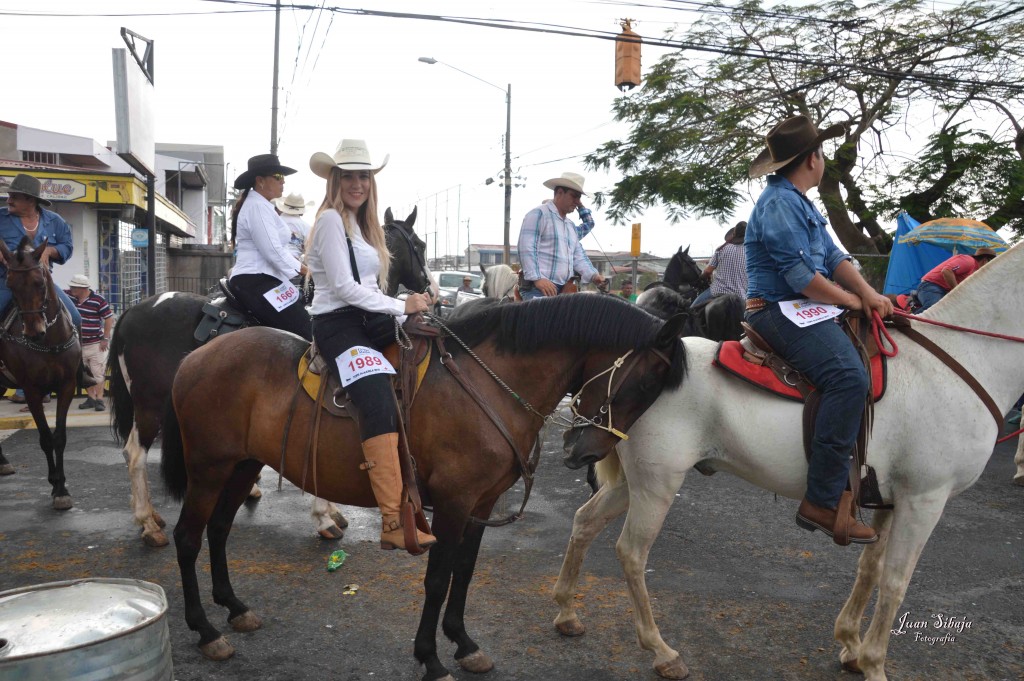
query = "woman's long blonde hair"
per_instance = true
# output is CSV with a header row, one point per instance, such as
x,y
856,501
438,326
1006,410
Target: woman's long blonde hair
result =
x,y
366,217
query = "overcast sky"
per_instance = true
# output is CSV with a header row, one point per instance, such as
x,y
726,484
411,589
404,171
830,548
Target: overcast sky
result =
x,y
361,78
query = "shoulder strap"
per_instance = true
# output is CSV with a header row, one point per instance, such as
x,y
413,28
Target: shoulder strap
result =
x,y
351,255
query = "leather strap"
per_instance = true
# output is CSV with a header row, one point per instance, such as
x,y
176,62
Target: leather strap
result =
x,y
526,466
958,369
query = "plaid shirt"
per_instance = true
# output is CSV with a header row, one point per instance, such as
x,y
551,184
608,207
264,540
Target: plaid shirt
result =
x,y
730,270
549,247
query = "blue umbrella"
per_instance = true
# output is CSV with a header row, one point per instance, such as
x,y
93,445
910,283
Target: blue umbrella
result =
x,y
907,263
959,235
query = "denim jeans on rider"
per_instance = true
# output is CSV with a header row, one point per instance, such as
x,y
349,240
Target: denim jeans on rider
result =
x,y
535,292
928,294
824,354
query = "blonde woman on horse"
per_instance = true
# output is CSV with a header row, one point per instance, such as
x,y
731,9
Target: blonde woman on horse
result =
x,y
790,256
348,260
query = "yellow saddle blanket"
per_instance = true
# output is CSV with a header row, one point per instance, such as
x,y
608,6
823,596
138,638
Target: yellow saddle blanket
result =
x,y
312,371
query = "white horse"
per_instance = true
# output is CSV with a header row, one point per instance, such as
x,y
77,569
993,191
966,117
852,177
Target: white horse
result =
x,y
931,439
499,281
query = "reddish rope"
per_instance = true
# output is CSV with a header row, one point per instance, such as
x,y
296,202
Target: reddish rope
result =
x,y
878,328
1013,434
900,313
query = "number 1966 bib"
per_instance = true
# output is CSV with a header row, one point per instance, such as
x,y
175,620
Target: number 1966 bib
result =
x,y
360,361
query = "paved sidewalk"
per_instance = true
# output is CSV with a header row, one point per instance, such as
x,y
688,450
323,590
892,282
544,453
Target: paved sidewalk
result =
x,y
12,418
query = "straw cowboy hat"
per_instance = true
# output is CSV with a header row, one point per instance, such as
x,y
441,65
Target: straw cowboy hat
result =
x,y
568,180
27,185
261,165
789,139
293,204
351,155
984,252
79,281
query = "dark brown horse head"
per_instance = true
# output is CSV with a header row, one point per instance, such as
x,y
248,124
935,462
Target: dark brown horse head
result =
x,y
619,389
32,290
408,254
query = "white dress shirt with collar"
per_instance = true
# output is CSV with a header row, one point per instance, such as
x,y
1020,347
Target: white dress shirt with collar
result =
x,y
261,239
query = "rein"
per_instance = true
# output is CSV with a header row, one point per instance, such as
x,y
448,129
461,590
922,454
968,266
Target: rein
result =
x,y
878,330
47,323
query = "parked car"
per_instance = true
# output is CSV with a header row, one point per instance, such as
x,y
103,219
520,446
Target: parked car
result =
x,y
448,283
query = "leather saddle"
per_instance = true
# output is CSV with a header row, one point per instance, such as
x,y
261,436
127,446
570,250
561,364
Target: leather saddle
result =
x,y
753,360
221,315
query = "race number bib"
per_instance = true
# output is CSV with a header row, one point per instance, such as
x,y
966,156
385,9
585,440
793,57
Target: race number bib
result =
x,y
282,296
807,312
360,361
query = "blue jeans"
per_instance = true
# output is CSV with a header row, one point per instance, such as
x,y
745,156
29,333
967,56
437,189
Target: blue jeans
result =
x,y
535,292
827,358
6,296
704,297
928,294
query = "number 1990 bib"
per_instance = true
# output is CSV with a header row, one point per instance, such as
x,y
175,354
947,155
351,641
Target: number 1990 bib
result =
x,y
360,361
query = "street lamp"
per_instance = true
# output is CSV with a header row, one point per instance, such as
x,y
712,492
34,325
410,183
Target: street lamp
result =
x,y
508,154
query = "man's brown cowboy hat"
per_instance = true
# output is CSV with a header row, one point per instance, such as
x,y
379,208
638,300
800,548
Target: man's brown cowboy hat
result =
x,y
261,165
789,139
27,185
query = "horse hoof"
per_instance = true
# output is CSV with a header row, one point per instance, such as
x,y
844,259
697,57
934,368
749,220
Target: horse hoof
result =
x,y
852,666
477,663
61,503
337,517
218,650
673,669
332,533
8,469
256,492
246,622
159,520
155,540
571,627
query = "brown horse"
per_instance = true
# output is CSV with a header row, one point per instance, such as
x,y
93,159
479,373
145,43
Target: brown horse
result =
x,y
41,351
230,425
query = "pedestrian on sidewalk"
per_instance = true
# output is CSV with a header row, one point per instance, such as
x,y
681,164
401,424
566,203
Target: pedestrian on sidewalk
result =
x,y
97,322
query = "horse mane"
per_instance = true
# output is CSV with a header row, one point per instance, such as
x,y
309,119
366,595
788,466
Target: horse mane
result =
x,y
663,302
570,321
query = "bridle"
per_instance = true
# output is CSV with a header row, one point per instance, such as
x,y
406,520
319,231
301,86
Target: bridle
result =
x,y
47,323
597,421
417,256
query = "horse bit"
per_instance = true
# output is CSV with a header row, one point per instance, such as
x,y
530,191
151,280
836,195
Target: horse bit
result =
x,y
47,323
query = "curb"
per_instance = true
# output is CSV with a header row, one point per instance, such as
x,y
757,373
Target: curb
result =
x,y
23,421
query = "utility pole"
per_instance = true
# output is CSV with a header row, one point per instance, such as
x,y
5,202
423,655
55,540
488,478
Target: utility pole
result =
x,y
508,172
273,106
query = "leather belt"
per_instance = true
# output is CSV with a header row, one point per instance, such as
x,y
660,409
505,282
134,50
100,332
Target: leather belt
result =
x,y
754,304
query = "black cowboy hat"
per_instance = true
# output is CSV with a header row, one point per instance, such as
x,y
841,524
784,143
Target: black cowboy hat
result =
x,y
261,165
789,139
27,185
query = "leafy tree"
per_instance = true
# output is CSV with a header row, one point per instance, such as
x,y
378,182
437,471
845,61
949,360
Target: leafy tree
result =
x,y
933,102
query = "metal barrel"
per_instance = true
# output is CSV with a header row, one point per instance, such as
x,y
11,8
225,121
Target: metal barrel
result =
x,y
85,629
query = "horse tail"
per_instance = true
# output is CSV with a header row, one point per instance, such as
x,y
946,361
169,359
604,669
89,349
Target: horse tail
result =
x,y
122,411
609,469
172,455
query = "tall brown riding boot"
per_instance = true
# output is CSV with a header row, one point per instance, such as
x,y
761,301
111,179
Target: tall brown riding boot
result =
x,y
840,524
381,454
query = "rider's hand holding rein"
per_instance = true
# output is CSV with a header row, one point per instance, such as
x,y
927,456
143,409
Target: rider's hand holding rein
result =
x,y
417,302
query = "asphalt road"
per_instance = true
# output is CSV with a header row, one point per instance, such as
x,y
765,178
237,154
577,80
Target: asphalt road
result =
x,y
739,590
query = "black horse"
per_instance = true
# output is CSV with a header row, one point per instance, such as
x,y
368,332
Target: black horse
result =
x,y
152,338
719,319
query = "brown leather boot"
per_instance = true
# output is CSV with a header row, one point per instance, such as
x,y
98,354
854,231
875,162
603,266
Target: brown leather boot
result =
x,y
381,454
842,527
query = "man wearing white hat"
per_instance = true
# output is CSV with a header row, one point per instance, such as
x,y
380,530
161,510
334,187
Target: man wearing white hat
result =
x,y
549,242
291,208
97,324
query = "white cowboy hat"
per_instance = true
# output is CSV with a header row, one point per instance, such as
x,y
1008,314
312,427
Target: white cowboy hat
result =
x,y
351,155
79,281
569,180
293,204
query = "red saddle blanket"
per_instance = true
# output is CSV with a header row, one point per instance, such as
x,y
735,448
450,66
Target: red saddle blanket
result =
x,y
730,358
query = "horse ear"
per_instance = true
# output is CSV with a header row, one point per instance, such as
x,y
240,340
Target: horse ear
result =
x,y
687,251
388,216
669,333
411,220
483,269
38,252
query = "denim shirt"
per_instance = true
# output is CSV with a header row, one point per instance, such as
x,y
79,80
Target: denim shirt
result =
x,y
51,227
786,243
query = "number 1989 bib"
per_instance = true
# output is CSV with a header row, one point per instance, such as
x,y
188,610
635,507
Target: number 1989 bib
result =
x,y
360,361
